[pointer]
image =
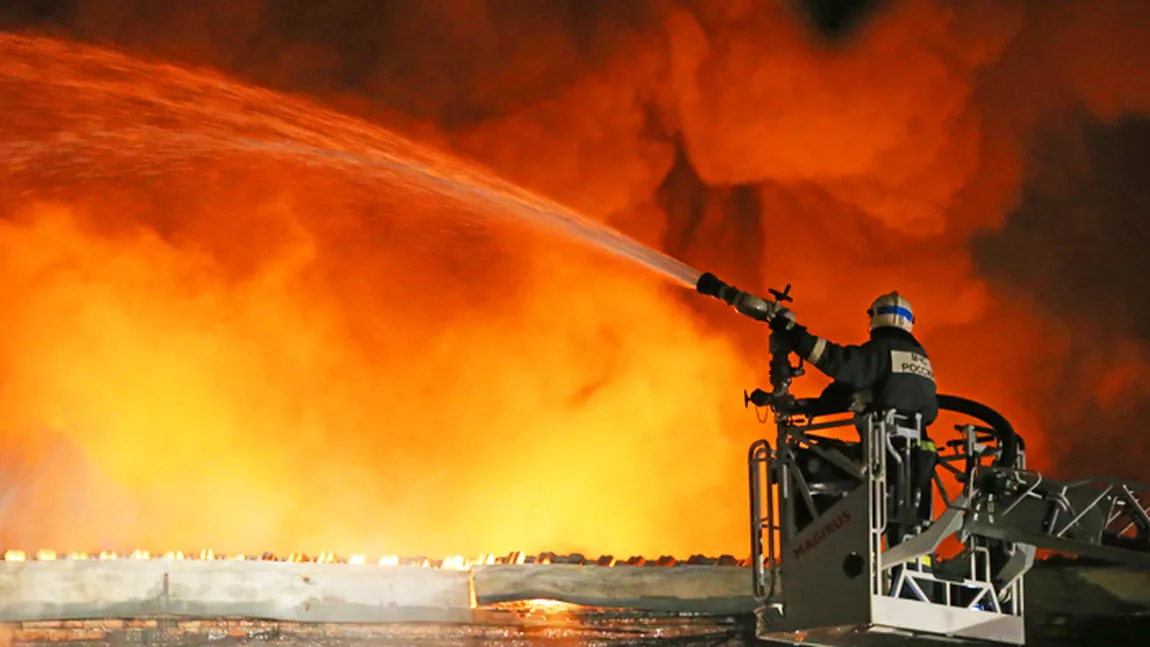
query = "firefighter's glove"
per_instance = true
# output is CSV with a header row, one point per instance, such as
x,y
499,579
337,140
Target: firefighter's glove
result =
x,y
783,320
789,333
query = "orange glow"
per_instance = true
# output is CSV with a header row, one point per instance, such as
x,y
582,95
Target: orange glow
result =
x,y
267,350
450,562
231,354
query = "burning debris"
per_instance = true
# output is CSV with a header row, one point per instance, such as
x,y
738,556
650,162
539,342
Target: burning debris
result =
x,y
449,562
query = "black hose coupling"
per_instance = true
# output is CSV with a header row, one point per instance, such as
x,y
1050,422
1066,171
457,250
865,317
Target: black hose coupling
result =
x,y
710,285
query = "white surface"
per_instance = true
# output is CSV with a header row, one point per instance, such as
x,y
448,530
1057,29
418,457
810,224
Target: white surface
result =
x,y
307,592
918,616
705,589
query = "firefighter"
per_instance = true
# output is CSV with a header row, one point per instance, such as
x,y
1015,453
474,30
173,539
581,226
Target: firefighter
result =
x,y
889,371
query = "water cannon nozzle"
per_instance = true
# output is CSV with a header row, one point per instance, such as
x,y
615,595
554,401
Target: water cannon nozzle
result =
x,y
744,302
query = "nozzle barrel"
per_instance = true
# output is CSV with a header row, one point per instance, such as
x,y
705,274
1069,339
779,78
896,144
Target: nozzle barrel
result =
x,y
744,302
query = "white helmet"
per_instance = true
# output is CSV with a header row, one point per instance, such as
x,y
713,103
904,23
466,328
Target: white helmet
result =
x,y
891,310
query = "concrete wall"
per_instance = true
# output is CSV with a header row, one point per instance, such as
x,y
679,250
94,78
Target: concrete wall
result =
x,y
704,589
124,588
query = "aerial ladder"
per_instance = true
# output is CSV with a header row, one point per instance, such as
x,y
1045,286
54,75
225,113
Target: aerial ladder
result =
x,y
846,537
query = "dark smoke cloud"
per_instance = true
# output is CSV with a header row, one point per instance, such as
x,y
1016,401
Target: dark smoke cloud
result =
x,y
1071,240
836,19
452,62
1076,245
1077,242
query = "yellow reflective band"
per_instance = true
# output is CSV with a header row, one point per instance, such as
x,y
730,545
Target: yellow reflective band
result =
x,y
817,351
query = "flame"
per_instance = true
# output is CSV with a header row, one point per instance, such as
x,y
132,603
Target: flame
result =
x,y
449,562
206,346
541,609
224,345
550,606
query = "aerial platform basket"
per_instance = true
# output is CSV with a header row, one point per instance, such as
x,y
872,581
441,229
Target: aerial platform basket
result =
x,y
844,526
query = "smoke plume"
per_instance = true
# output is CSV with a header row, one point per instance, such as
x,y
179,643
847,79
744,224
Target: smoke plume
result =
x,y
959,152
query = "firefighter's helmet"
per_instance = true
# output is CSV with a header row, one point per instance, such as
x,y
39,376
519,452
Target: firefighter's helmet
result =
x,y
891,310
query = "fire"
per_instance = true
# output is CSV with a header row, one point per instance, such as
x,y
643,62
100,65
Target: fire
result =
x,y
544,608
204,369
550,606
450,562
259,351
